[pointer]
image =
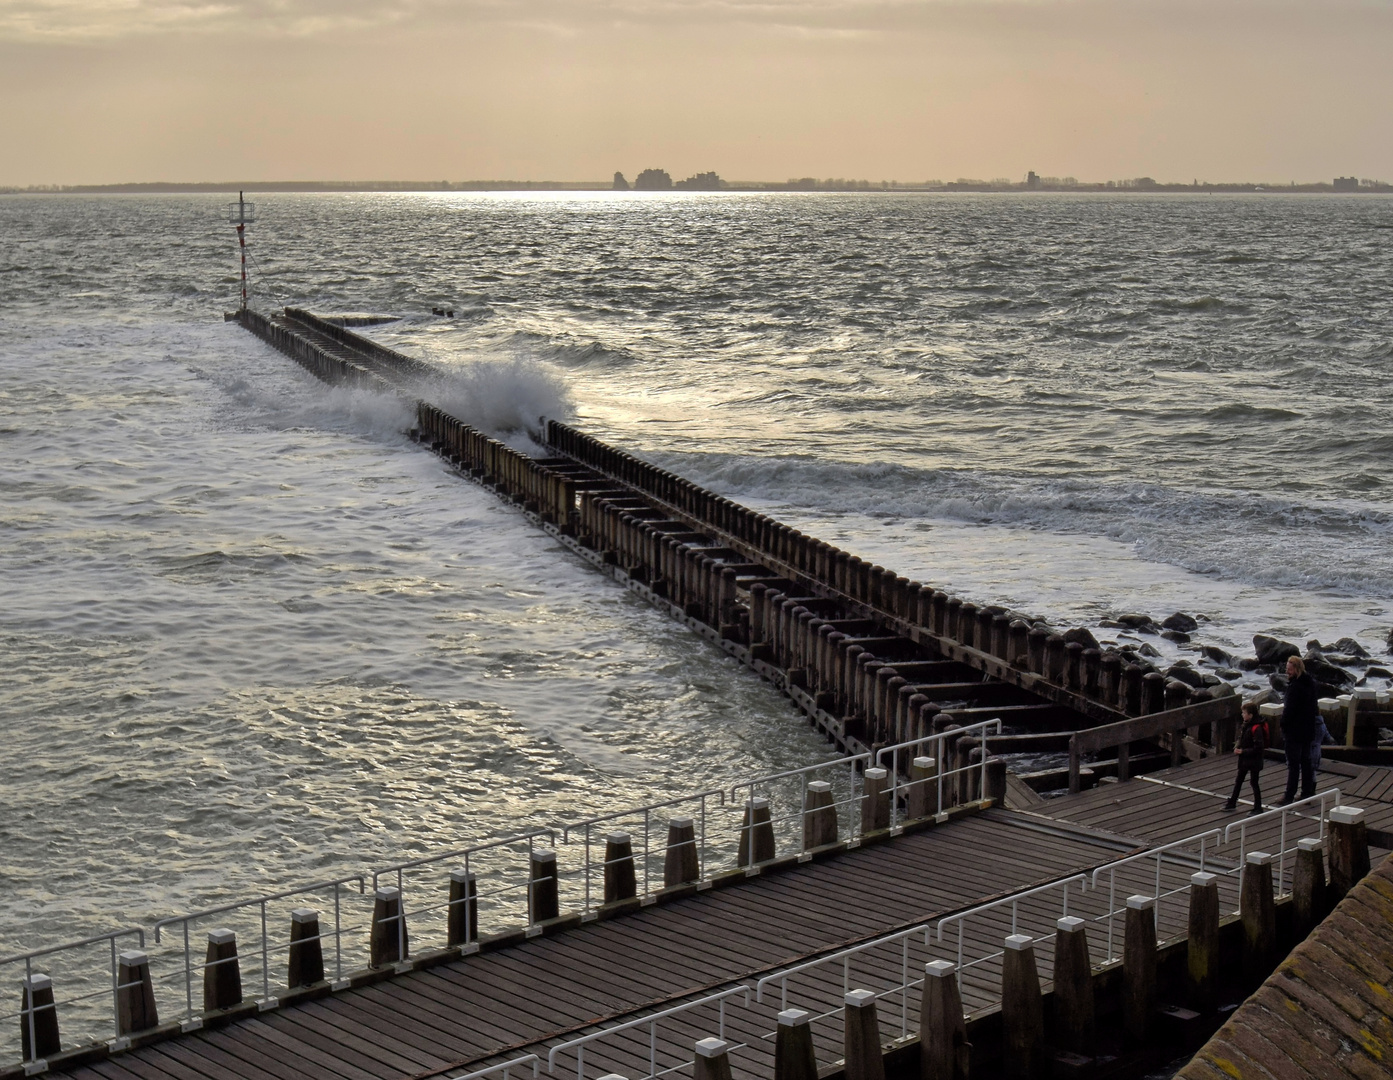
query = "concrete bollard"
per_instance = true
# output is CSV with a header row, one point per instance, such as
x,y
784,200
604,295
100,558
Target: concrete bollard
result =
x,y
944,1051
875,800
135,994
756,833
222,975
1073,987
621,882
1259,914
711,1060
1139,969
462,919
388,944
1202,942
861,1037
543,894
819,816
793,1047
39,1012
922,795
305,963
1308,887
1349,850
681,865
996,781
1022,1011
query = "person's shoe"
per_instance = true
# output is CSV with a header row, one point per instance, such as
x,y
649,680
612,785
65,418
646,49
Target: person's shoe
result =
x,y
1256,811
1230,805
1286,802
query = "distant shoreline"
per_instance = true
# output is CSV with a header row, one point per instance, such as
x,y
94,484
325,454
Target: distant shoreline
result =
x,y
884,187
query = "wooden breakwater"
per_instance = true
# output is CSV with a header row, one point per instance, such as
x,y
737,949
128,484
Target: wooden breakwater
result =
x,y
871,657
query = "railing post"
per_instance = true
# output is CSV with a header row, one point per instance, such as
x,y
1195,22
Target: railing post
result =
x,y
921,799
1073,987
387,943
462,918
819,816
861,1037
793,1047
1259,914
1022,1010
680,865
542,893
620,880
756,833
1349,850
39,1017
1202,941
222,975
135,994
875,801
1308,886
943,1047
711,1060
305,965
1139,969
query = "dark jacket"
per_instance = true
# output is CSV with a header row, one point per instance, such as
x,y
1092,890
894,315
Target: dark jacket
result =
x,y
1252,741
1299,711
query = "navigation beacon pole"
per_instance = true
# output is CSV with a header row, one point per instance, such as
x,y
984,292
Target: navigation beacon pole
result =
x,y
242,214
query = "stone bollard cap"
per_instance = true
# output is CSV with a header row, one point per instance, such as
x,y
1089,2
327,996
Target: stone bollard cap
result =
x,y
1070,924
617,838
38,981
1202,879
134,958
859,999
543,854
1258,858
1270,710
1309,843
221,936
613,1076
923,763
1346,815
462,875
682,823
939,969
304,915
1141,903
794,1017
1018,942
759,802
709,1048
388,892
820,786
1365,693
875,774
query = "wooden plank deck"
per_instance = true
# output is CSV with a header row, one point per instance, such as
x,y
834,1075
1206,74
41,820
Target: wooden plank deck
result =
x,y
496,1005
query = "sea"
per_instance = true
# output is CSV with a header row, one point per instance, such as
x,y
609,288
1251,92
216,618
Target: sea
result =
x,y
251,635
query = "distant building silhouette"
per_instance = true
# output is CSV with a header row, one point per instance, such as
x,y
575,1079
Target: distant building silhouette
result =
x,y
1346,183
653,180
1031,180
706,181
620,184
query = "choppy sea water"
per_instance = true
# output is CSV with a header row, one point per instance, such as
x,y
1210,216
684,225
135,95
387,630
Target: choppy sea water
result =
x,y
251,635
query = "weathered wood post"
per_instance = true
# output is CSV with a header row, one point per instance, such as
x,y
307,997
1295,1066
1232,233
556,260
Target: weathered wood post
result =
x,y
222,974
1139,969
1022,1011
1153,693
135,994
1092,672
388,944
462,918
680,864
819,816
967,625
996,781
1073,665
1132,679
1110,679
943,1047
793,1047
1349,850
1018,648
1036,637
1001,637
922,795
621,882
305,962
861,1037
1308,886
38,1011
543,895
711,1060
1259,915
756,833
1054,658
1202,941
1073,987
875,800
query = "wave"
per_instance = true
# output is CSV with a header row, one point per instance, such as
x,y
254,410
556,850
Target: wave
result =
x,y
504,398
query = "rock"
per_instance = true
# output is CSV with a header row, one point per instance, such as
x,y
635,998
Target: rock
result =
x,y
1262,697
1278,682
1223,690
1389,641
1314,643
1350,647
1325,672
1217,655
1178,636
1113,624
1211,680
1147,649
1325,689
1378,673
1272,650
1249,663
1083,636
1229,673
1345,659
1135,621
1188,675
1182,622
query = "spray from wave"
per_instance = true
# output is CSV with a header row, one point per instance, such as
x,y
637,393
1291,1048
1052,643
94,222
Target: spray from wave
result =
x,y
504,398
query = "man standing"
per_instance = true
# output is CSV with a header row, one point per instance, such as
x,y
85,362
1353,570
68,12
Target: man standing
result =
x,y
1299,716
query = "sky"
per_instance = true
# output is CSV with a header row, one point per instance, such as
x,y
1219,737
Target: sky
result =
x,y
111,91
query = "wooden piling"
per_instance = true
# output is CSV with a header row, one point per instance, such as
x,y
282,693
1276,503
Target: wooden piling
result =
x,y
222,974
305,961
462,919
388,944
793,1047
996,781
1035,639
861,1053
819,816
1308,887
135,994
1018,649
1153,693
1022,1011
1203,963
680,864
38,1011
1139,969
943,1047
1073,988
543,895
875,801
1259,915
621,882
1349,850
1054,658
756,833
711,1060
922,795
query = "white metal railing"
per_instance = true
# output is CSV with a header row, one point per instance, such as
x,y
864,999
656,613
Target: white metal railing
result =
x,y
268,1000
912,748
504,1068
26,1015
960,919
1298,810
652,1021
1181,851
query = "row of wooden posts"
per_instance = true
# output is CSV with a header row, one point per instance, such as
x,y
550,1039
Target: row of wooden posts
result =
x,y
311,355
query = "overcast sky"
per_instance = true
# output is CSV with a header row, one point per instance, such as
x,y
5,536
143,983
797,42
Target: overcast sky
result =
x,y
100,91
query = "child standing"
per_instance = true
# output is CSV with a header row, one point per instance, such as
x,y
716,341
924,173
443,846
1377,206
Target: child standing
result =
x,y
1252,741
